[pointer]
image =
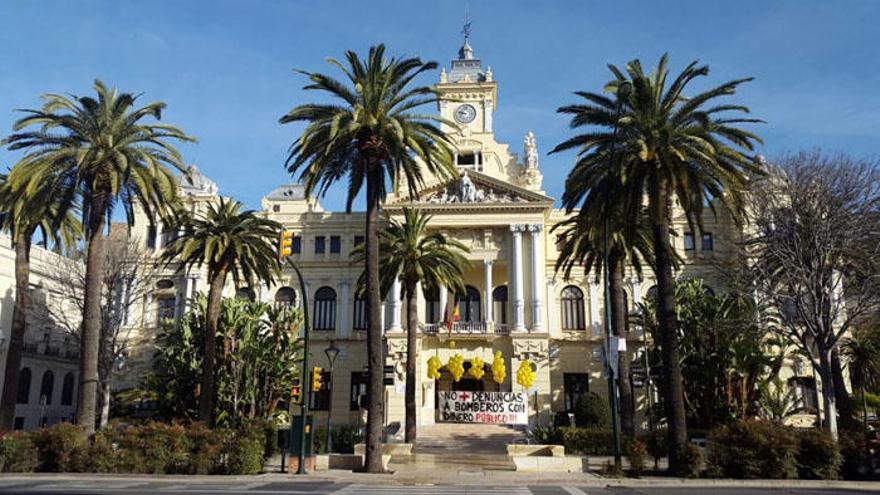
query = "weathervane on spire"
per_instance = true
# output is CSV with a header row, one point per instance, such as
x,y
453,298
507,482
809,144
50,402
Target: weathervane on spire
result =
x,y
466,30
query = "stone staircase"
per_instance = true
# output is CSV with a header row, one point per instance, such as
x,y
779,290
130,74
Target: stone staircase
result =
x,y
463,439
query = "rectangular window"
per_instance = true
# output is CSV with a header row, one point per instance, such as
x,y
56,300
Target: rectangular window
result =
x,y
297,244
320,242
708,243
321,398
468,160
689,242
165,308
358,390
151,237
574,386
358,240
18,425
335,244
360,313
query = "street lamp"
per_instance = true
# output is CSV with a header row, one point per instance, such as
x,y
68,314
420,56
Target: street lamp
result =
x,y
332,353
622,90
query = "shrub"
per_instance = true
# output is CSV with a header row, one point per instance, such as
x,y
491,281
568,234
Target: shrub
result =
x,y
592,411
855,460
61,448
546,435
17,453
165,447
588,441
206,449
270,430
102,457
753,449
656,443
690,461
636,453
818,456
244,453
345,437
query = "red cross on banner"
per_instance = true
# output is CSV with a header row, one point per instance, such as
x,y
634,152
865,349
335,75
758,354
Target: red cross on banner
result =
x,y
464,396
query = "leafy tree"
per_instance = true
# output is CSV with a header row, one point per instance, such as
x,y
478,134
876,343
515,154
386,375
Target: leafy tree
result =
x,y
103,150
228,241
23,214
666,144
409,252
729,352
861,351
371,134
259,360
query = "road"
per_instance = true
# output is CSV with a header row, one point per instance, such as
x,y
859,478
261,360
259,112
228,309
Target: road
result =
x,y
234,487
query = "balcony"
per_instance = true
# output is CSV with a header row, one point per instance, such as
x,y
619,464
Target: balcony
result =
x,y
464,328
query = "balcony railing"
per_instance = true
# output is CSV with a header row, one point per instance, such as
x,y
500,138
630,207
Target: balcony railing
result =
x,y
459,327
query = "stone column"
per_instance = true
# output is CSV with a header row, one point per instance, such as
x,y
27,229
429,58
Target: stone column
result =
x,y
487,115
595,321
443,295
395,307
129,304
537,277
344,309
264,292
551,307
487,265
148,310
517,278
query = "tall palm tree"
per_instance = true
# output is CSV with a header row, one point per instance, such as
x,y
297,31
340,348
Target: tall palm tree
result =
x,y
228,241
102,148
370,133
583,237
666,145
408,252
22,216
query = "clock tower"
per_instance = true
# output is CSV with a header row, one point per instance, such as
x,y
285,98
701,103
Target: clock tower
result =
x,y
468,94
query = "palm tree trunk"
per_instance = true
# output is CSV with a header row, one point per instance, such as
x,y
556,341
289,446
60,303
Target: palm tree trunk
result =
x,y
90,342
618,316
375,356
412,322
668,324
19,325
212,314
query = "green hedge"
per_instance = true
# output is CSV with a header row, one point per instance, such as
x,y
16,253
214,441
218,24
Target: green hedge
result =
x,y
588,441
592,411
149,448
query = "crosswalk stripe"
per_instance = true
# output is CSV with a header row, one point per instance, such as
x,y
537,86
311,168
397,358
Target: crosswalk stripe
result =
x,y
432,490
573,490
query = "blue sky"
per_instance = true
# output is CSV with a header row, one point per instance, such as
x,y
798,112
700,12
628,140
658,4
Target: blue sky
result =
x,y
224,67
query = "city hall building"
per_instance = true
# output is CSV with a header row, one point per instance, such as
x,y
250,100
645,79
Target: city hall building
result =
x,y
514,301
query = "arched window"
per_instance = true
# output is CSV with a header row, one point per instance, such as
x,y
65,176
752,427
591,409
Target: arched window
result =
x,y
499,301
47,386
246,293
469,305
572,308
325,309
652,294
360,312
164,284
24,386
433,311
67,390
285,297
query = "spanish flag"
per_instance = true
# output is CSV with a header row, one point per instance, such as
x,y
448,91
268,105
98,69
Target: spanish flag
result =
x,y
455,317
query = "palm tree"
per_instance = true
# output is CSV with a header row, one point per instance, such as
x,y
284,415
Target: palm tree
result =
x,y
22,215
409,253
102,148
370,134
228,241
665,144
582,245
862,354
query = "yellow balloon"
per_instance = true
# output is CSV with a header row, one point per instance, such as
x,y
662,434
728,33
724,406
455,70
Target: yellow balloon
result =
x,y
434,366
456,367
499,370
524,375
477,370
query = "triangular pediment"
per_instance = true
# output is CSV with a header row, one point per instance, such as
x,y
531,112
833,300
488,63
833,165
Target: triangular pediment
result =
x,y
472,189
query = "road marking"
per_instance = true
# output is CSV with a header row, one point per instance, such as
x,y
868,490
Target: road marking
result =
x,y
573,490
432,490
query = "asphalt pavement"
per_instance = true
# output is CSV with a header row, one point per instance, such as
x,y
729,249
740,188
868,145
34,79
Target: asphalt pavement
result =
x,y
229,486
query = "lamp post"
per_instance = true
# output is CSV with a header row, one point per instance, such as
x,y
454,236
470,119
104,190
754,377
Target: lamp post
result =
x,y
332,353
304,401
622,90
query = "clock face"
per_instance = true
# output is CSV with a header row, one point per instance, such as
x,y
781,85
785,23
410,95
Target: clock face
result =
x,y
465,114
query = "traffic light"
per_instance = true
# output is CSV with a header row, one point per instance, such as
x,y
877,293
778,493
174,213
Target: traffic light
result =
x,y
296,391
317,382
285,245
